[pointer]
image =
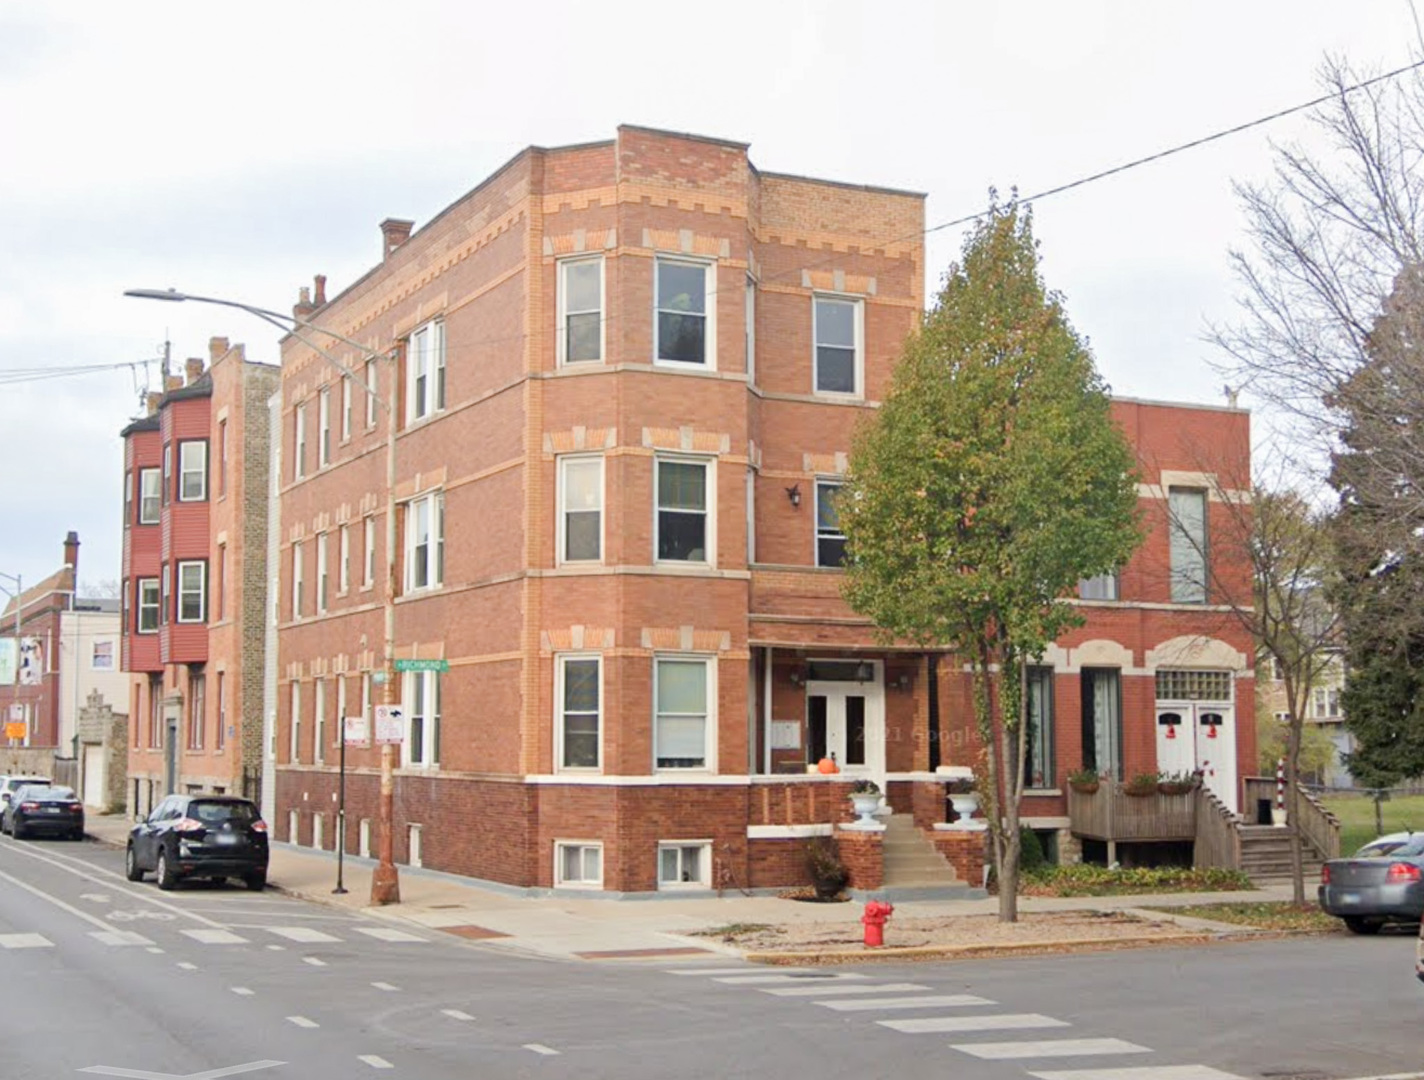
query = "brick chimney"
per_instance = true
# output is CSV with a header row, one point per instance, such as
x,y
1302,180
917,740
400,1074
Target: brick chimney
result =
x,y
304,306
71,551
151,399
172,382
192,370
218,347
320,298
394,233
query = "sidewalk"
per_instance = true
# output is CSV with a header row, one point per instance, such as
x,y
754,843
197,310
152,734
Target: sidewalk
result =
x,y
596,928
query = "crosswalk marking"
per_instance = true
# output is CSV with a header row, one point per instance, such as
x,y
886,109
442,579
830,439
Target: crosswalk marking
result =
x,y
1049,1048
718,971
215,937
304,934
25,941
374,1061
822,990
997,1022
923,1002
387,933
303,1022
456,1014
747,980
119,937
1141,1072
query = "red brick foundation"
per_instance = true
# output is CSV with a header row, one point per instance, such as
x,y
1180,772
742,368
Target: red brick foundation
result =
x,y
966,852
864,856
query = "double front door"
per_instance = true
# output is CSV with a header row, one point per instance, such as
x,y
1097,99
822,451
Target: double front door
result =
x,y
845,722
1200,737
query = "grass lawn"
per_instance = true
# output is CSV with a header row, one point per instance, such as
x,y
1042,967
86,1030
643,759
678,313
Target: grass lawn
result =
x,y
1266,916
1357,817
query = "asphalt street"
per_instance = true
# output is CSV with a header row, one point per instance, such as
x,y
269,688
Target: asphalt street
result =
x,y
101,977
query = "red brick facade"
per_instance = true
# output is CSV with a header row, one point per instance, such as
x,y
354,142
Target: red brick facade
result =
x,y
40,608
608,484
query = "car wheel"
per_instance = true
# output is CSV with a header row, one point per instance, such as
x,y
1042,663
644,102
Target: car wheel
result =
x,y
164,873
18,831
256,881
1357,925
132,870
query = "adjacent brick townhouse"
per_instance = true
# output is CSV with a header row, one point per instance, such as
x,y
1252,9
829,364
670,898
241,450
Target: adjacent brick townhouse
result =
x,y
625,380
194,578
34,699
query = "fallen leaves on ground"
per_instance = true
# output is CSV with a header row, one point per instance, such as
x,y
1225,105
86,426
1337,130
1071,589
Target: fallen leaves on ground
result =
x,y
1266,915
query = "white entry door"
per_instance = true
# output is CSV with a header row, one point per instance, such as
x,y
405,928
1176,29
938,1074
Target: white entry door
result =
x,y
94,765
845,721
1200,736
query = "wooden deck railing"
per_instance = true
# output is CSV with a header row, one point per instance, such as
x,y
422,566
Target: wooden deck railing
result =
x,y
1319,828
1218,841
1108,814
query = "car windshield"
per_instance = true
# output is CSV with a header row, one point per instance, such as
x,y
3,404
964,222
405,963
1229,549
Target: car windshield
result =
x,y
1392,846
17,782
52,794
215,813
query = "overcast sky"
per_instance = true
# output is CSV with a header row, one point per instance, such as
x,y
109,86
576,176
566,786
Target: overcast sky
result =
x,y
236,150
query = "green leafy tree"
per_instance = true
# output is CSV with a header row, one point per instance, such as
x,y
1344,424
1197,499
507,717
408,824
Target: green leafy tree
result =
x,y
991,481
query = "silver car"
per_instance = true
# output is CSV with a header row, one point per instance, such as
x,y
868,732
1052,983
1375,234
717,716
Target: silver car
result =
x,y
1381,883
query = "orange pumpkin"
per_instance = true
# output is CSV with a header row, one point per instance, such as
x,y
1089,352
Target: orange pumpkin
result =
x,y
828,765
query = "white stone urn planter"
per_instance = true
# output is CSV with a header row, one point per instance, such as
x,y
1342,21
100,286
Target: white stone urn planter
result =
x,y
865,804
966,805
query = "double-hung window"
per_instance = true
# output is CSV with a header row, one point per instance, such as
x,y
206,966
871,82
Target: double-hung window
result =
x,y
319,721
192,471
684,333
295,750
197,710
297,584
220,739
1187,532
422,707
343,579
1038,751
370,381
682,729
580,509
368,554
323,428
830,541
425,542
581,310
192,591
425,372
578,691
148,605
299,443
150,495
345,408
222,458
165,593
322,574
750,313
838,353
684,533
1101,587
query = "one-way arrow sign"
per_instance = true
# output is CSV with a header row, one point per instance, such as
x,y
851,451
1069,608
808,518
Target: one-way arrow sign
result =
x,y
211,1074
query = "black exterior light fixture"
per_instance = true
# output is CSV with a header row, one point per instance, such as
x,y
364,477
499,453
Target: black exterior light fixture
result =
x,y
794,494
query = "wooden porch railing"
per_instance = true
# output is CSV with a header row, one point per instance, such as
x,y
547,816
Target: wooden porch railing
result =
x,y
1108,814
1218,841
1319,828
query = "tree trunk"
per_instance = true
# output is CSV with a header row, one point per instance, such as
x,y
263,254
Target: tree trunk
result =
x,y
1293,806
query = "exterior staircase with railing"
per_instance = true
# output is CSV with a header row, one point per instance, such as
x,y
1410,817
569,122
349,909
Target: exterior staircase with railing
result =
x,y
913,869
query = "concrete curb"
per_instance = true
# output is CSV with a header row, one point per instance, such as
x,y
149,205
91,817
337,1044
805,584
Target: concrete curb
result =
x,y
977,952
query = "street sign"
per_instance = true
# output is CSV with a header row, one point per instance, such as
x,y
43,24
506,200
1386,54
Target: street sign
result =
x,y
356,731
423,665
390,724
14,730
17,712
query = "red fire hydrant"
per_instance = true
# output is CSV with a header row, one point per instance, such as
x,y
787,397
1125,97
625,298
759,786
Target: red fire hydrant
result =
x,y
876,912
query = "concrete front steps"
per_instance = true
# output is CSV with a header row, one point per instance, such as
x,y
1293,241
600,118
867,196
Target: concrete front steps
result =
x,y
914,870
1266,857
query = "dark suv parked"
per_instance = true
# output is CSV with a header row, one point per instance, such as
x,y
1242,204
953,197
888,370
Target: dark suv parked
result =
x,y
205,836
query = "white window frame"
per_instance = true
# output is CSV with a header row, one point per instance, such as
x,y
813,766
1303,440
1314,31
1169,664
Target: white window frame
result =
x,y
857,304
322,574
709,510
704,879
818,484
417,709
425,359
565,462
188,468
318,721
709,734
368,554
749,315
155,605
370,370
751,516
564,313
184,589
561,763
299,442
1089,588
340,710
295,749
709,313
343,572
323,427
1185,588
297,582
345,407
431,504
581,882
150,493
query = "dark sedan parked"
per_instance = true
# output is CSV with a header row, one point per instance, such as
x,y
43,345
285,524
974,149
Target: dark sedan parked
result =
x,y
1381,883
43,809
200,836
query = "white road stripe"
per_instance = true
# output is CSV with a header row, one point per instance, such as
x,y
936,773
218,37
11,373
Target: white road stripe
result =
x,y
276,948
302,1022
187,966
540,1048
57,902
1049,1048
388,933
719,971
385,986
314,961
303,934
1141,1072
25,941
456,1014
119,937
997,1022
215,937
374,1061
925,1001
750,980
156,949
858,988
242,991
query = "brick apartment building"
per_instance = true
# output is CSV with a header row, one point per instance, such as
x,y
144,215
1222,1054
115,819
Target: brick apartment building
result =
x,y
35,698
625,383
194,578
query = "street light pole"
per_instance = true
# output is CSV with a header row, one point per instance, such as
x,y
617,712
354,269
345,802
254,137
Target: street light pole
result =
x,y
385,880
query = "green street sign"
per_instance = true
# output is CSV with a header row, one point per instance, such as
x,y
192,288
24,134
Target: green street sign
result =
x,y
422,665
